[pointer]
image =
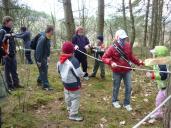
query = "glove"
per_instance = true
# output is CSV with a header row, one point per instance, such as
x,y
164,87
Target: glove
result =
x,y
141,62
76,47
95,50
113,65
87,47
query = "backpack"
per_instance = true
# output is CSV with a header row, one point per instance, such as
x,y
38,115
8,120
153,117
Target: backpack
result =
x,y
5,45
34,41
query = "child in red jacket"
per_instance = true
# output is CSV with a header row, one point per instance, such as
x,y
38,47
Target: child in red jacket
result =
x,y
120,54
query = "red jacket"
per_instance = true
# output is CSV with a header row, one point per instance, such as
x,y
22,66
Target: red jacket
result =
x,y
112,55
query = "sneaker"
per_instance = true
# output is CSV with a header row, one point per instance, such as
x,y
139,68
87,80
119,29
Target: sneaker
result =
x,y
151,121
76,117
116,104
128,108
48,88
86,78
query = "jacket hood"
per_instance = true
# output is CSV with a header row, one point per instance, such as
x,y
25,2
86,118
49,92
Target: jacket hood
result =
x,y
64,57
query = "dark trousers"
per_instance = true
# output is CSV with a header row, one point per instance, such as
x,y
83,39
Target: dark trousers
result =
x,y
43,74
98,64
28,57
83,61
11,75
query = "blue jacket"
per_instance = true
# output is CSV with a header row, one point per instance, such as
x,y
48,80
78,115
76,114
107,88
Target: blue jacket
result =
x,y
43,49
26,36
81,41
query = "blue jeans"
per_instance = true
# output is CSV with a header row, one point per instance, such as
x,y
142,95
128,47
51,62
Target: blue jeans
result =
x,y
43,74
117,77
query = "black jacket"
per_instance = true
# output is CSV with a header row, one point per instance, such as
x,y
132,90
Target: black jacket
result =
x,y
12,45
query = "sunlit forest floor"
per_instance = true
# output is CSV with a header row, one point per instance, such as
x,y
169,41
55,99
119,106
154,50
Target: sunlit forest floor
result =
x,y
32,107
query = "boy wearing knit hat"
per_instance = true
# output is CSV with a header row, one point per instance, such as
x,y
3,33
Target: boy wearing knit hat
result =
x,y
69,69
98,53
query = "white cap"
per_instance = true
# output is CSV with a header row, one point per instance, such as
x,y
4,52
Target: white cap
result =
x,y
120,34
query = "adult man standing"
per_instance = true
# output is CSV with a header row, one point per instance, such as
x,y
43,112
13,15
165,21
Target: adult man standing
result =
x,y
26,36
43,56
8,48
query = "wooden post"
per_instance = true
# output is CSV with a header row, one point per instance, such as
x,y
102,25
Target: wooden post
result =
x,y
167,114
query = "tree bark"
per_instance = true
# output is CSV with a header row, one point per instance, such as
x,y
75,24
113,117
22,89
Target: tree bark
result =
x,y
100,24
133,33
6,4
152,25
83,15
124,15
69,20
146,24
160,25
54,24
155,31
167,115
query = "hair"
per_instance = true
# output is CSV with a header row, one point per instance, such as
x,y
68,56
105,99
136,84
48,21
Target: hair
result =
x,y
6,19
79,28
23,28
49,28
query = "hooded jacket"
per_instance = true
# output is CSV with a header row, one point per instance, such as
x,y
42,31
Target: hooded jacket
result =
x,y
69,69
112,55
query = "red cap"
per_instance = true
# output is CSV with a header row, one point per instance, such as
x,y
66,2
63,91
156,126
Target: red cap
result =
x,y
67,47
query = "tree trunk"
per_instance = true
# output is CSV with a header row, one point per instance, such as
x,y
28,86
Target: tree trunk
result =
x,y
155,32
167,115
54,24
146,24
124,15
163,32
100,25
160,25
69,20
152,25
6,4
83,15
110,30
132,23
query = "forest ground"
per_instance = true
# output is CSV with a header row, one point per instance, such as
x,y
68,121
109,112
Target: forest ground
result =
x,y
32,107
